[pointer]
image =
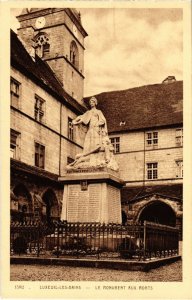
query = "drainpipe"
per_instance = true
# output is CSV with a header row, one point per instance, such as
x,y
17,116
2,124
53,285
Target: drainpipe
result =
x,y
144,162
144,239
60,139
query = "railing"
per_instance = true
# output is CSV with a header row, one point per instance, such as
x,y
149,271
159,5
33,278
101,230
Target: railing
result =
x,y
97,240
160,240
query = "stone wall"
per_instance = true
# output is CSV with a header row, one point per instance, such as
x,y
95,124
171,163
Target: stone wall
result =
x,y
135,154
46,133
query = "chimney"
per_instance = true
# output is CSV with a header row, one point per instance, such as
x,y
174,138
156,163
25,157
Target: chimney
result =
x,y
169,79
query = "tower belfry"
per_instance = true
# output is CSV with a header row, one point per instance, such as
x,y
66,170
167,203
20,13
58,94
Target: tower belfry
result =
x,y
57,36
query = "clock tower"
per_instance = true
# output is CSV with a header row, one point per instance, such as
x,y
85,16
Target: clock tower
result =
x,y
57,36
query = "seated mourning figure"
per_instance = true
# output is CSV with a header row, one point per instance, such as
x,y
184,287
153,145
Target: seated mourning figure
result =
x,y
97,149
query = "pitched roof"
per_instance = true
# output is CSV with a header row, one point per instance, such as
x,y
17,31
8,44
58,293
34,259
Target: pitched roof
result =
x,y
142,107
132,194
32,170
40,72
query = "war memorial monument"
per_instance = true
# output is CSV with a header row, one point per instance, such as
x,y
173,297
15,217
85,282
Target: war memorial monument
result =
x,y
92,183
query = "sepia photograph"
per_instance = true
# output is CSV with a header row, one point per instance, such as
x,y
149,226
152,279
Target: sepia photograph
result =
x,y
96,149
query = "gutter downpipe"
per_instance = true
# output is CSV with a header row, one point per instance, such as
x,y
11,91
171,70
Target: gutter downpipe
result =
x,y
144,162
60,139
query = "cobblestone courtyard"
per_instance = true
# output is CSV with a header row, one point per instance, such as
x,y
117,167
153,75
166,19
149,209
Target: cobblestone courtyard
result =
x,y
172,272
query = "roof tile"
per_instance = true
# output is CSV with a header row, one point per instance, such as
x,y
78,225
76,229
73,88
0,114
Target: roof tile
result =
x,y
131,194
142,107
32,170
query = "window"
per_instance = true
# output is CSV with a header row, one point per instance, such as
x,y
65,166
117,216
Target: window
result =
x,y
45,49
152,170
14,144
116,144
179,172
39,108
15,92
42,46
70,129
152,138
179,137
74,54
39,155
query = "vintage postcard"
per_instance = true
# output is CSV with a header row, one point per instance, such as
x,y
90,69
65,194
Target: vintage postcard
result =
x,y
96,149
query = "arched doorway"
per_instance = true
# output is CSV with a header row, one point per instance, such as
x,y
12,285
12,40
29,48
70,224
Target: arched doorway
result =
x,y
52,208
158,212
24,205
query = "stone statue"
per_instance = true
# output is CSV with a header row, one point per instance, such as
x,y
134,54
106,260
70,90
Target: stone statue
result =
x,y
97,150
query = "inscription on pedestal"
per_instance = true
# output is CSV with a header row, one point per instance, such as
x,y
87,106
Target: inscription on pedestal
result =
x,y
114,205
72,205
84,206
83,202
94,202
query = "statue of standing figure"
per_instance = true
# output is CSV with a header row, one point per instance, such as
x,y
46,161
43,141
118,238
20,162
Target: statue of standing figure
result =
x,y
97,149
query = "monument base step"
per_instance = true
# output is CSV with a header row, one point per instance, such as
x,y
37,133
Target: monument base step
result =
x,y
117,264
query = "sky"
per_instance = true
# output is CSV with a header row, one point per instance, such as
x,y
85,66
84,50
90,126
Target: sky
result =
x,y
129,47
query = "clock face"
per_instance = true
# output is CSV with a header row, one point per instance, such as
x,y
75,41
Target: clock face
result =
x,y
40,22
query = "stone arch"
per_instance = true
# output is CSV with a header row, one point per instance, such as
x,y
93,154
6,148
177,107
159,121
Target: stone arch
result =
x,y
157,211
42,44
74,54
51,205
24,199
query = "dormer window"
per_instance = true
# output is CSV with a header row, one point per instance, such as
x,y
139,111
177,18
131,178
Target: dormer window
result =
x,y
74,54
42,45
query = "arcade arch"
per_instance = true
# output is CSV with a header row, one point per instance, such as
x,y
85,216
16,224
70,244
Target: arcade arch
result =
x,y
25,207
124,217
51,205
158,212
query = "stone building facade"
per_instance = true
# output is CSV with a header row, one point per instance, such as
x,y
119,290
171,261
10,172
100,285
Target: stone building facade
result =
x,y
138,154
146,128
145,125
42,139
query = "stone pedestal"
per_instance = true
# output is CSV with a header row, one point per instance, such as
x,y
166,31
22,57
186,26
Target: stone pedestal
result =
x,y
91,197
